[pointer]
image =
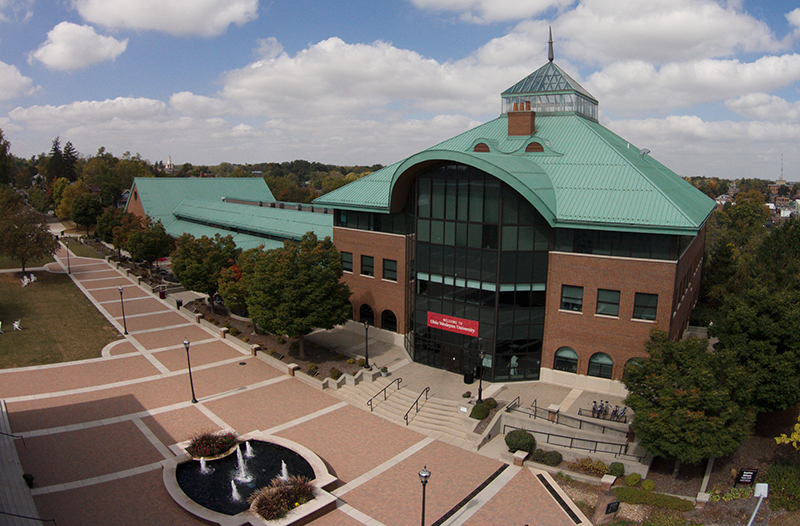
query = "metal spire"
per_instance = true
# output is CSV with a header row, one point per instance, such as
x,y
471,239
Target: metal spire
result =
x,y
550,55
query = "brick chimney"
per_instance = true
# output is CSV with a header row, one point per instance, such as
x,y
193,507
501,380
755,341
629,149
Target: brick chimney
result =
x,y
521,120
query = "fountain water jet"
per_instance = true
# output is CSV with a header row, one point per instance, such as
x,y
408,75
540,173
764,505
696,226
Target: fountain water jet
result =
x,y
284,471
248,452
242,475
235,497
204,469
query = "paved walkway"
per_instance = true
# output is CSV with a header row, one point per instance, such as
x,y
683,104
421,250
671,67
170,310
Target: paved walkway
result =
x,y
95,431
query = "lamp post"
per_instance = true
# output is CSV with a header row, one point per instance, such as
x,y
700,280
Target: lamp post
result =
x,y
122,304
366,344
424,475
481,355
189,363
69,268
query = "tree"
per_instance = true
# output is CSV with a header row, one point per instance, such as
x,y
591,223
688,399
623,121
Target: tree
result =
x,y
69,159
39,199
150,243
197,263
24,234
6,160
690,404
69,194
58,186
234,281
756,330
297,288
128,224
85,209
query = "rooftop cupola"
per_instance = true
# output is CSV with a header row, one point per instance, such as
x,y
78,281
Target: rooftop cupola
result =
x,y
546,91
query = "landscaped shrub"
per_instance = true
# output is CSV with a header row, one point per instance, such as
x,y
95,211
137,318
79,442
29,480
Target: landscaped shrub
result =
x,y
617,469
479,412
335,373
233,331
211,443
519,439
361,362
350,361
245,339
588,465
312,367
271,351
650,498
491,403
784,486
553,458
467,394
632,479
274,501
281,340
538,455
648,485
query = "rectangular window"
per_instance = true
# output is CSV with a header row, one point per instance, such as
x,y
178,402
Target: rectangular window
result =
x,y
645,306
367,266
347,261
390,269
571,298
608,302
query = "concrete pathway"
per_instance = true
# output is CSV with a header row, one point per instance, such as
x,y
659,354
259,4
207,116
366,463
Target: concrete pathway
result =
x,y
95,431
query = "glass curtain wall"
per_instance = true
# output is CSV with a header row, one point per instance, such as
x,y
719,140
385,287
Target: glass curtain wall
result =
x,y
479,260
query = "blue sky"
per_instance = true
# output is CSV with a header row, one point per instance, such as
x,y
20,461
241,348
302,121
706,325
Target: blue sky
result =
x,y
711,88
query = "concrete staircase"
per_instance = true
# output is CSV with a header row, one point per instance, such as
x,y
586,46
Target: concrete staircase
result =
x,y
437,418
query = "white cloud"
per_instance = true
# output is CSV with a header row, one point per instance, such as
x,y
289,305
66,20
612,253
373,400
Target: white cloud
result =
x,y
197,105
177,17
16,10
794,20
482,11
637,85
13,83
70,46
763,106
89,113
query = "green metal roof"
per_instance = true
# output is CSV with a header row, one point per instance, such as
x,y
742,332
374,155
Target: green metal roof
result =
x,y
290,224
242,241
588,177
160,195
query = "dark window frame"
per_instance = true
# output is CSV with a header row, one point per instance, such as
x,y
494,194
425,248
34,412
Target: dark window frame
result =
x,y
607,306
367,266
569,303
643,309
390,273
347,263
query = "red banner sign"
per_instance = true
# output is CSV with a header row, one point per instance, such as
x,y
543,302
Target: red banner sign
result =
x,y
453,324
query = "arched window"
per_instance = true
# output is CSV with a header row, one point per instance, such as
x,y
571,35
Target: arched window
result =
x,y
633,362
600,365
534,147
365,314
388,321
566,360
481,148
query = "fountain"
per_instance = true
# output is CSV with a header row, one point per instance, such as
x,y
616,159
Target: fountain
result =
x,y
248,453
227,482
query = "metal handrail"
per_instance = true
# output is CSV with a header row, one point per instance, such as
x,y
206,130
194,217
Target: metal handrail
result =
x,y
621,452
416,403
566,420
513,404
369,402
586,412
15,436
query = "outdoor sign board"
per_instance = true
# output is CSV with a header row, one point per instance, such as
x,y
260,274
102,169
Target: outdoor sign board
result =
x,y
453,324
746,476
612,507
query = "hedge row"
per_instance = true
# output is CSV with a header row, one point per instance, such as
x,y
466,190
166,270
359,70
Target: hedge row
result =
x,y
638,496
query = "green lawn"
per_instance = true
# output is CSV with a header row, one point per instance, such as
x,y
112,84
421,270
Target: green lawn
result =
x,y
59,323
6,263
79,249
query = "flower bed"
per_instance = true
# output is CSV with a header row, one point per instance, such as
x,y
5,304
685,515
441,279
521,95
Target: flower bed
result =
x,y
210,445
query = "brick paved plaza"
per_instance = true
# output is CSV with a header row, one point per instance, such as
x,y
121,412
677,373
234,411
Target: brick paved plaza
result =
x,y
95,431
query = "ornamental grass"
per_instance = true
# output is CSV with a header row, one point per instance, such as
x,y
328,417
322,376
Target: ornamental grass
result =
x,y
211,443
276,500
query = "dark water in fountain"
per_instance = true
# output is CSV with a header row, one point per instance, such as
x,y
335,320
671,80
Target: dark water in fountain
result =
x,y
213,490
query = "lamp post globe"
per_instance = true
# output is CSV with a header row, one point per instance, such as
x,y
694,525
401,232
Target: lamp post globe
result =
x,y
424,475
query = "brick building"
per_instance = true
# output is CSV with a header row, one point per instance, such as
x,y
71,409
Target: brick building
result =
x,y
540,238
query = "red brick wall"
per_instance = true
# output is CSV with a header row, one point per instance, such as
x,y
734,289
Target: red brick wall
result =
x,y
135,204
622,338
378,293
687,284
